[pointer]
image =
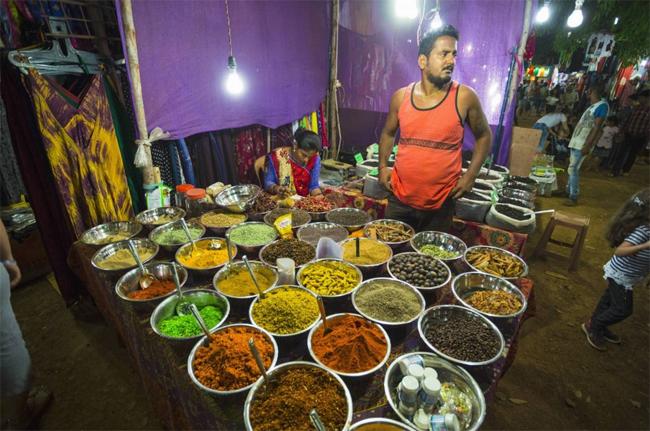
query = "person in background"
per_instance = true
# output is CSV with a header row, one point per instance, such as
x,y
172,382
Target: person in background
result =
x,y
548,122
585,135
637,132
570,98
541,97
606,141
552,99
431,114
626,100
24,404
629,232
296,169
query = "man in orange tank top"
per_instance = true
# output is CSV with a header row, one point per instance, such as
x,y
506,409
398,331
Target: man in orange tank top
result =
x,y
431,115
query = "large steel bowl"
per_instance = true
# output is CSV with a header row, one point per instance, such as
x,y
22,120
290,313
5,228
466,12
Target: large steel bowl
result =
x,y
274,264
101,234
295,226
163,271
333,231
447,241
251,250
441,313
359,374
447,373
110,249
498,250
175,225
422,288
283,336
384,424
206,270
200,297
464,285
374,267
335,213
368,285
220,230
392,244
152,218
203,342
259,385
237,199
300,276
242,301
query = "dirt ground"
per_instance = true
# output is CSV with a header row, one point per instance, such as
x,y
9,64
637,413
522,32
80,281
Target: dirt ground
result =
x,y
556,382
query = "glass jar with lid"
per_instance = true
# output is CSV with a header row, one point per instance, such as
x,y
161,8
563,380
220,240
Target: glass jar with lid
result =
x,y
179,196
197,202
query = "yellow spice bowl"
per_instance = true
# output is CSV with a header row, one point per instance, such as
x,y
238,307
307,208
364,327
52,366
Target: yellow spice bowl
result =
x,y
203,243
336,302
240,304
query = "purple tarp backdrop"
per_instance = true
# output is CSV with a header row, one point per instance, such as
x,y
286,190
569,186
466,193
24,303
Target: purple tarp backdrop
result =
x,y
282,51
379,55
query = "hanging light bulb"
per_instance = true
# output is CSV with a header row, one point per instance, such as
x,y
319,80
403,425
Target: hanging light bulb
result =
x,y
436,22
543,14
234,84
406,9
615,20
575,19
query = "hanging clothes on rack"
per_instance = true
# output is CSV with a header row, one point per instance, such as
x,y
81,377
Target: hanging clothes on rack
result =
x,y
83,152
11,183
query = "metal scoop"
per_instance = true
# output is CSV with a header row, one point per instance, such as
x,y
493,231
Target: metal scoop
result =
x,y
315,420
183,305
146,278
258,360
187,232
323,316
199,320
252,274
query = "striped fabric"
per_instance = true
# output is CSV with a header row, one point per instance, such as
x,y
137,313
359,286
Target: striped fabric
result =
x,y
629,270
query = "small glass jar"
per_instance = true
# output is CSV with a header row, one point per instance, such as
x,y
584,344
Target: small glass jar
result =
x,y
179,196
197,202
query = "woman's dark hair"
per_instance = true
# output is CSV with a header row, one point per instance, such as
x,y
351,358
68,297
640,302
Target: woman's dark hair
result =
x,y
307,140
426,44
634,213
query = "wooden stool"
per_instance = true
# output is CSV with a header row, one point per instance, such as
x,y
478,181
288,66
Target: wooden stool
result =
x,y
578,223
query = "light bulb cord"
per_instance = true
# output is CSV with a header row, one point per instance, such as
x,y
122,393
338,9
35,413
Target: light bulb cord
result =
x,y
579,4
229,32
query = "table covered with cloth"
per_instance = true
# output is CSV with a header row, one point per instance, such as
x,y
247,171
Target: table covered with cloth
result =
x,y
473,233
162,364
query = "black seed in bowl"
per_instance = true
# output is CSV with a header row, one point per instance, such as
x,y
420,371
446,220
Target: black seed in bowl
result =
x,y
464,337
512,212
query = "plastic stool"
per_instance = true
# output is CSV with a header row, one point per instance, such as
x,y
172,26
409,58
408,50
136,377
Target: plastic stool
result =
x,y
578,223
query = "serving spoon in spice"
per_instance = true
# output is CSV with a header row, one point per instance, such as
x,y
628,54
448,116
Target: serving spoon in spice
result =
x,y
189,235
252,274
323,316
195,311
315,420
146,278
258,360
183,305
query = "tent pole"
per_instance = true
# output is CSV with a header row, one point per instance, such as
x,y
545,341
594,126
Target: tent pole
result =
x,y
332,106
148,176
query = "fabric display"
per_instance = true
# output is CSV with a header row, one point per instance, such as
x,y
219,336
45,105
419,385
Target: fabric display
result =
x,y
11,183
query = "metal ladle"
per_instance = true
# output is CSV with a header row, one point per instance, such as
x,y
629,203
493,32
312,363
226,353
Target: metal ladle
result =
x,y
183,305
199,320
252,274
146,278
258,360
187,232
323,316
315,420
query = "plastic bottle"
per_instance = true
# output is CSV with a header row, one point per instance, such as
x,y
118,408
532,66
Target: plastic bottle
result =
x,y
448,422
421,420
407,392
412,359
430,394
416,371
430,372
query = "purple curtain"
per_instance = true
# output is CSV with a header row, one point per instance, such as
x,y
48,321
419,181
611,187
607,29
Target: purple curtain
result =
x,y
281,47
378,55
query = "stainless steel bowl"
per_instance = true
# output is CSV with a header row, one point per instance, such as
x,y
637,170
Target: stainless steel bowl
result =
x,y
374,266
300,277
220,230
150,218
424,288
499,250
250,249
368,285
259,385
335,232
223,272
447,373
464,285
441,313
332,218
280,336
381,423
203,342
200,297
187,247
341,373
110,249
237,199
294,226
163,271
393,244
100,235
273,264
448,242
175,225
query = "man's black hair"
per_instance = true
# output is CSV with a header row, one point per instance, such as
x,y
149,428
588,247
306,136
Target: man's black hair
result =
x,y
599,88
307,140
426,44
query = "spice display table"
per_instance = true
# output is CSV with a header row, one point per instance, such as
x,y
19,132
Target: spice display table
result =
x,y
162,364
472,233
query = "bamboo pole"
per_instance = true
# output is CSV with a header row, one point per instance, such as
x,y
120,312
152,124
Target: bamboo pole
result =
x,y
332,105
148,176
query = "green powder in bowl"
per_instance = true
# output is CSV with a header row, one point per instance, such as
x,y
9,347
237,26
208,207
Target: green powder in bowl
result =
x,y
177,236
186,326
252,234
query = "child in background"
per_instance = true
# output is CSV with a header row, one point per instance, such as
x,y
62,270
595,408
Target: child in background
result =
x,y
629,232
606,141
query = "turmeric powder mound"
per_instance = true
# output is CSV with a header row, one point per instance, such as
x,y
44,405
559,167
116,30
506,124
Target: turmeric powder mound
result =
x,y
353,345
227,363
